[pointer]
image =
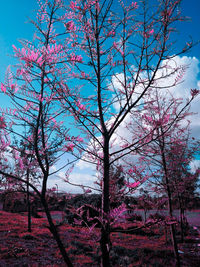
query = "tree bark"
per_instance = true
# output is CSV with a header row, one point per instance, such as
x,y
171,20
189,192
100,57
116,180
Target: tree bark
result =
x,y
170,209
172,227
56,235
181,219
29,210
28,203
105,230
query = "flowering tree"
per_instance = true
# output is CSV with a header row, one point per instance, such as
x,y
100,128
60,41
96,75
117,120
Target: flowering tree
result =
x,y
34,118
182,182
99,60
166,117
119,53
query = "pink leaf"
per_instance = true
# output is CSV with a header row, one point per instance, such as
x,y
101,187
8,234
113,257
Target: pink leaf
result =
x,y
132,185
3,88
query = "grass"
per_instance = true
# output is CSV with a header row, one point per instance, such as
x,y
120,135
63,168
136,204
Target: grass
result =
x,y
21,248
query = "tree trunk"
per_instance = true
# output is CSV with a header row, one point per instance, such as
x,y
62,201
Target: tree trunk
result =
x,y
181,219
174,243
28,202
172,227
181,214
182,226
170,209
105,230
166,240
105,246
56,235
145,215
29,210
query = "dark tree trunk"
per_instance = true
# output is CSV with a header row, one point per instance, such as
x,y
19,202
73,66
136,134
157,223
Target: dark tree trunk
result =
x,y
182,226
145,215
170,209
56,235
105,230
166,234
29,210
181,218
172,226
105,246
28,203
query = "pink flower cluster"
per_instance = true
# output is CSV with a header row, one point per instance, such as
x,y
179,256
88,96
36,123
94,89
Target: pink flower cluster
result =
x,y
38,56
133,185
73,5
2,123
29,56
69,147
70,26
76,58
194,92
80,106
3,88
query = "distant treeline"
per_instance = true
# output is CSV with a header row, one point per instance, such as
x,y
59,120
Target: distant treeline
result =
x,y
62,201
138,202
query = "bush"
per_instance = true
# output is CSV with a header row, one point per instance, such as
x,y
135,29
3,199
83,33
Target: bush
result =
x,y
134,217
156,216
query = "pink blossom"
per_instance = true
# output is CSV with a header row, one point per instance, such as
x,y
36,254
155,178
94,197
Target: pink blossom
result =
x,y
166,118
53,189
70,26
88,191
194,92
69,147
134,5
79,139
21,165
76,58
2,123
111,33
80,106
3,88
83,74
147,34
130,171
125,145
133,185
14,87
14,47
151,31
115,45
73,5
79,58
121,52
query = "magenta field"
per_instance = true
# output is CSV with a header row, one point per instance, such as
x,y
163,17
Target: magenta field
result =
x,y
148,248
99,133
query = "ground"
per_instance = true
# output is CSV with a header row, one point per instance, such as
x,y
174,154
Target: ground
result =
x,y
147,248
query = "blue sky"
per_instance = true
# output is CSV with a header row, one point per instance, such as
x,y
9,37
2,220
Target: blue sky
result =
x,y
14,17
15,14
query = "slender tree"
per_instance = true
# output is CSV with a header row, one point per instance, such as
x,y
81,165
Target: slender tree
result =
x,y
183,183
31,87
118,53
166,116
100,68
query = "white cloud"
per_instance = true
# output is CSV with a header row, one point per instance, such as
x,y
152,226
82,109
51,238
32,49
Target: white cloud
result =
x,y
187,78
83,172
194,165
85,179
189,81
83,165
53,168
